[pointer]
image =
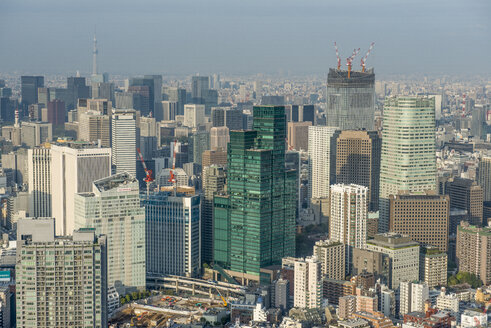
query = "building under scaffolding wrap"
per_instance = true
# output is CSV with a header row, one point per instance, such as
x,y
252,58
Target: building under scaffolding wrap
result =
x,y
350,101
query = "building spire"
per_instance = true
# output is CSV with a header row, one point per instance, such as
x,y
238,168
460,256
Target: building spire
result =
x,y
94,56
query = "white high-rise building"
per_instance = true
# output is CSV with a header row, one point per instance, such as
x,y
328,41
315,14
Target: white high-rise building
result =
x,y
73,169
124,141
321,156
348,217
194,115
113,208
413,297
39,170
308,286
332,256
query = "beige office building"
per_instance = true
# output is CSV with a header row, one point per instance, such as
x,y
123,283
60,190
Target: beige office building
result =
x,y
298,135
94,127
474,251
332,257
423,216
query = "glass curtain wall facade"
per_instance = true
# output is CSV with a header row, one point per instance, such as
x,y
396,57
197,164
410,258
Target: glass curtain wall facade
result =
x,y
172,234
408,159
255,223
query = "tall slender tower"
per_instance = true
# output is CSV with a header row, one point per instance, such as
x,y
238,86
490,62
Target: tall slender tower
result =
x,y
94,57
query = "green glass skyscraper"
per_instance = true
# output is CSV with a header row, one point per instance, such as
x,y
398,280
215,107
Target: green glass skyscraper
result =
x,y
255,223
408,159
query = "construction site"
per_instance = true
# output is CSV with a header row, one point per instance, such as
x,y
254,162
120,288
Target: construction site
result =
x,y
165,310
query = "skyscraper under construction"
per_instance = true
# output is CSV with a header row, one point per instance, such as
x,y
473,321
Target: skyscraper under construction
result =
x,y
350,99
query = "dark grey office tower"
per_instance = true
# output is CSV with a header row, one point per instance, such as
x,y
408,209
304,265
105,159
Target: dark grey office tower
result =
x,y
199,142
103,90
218,116
29,90
214,180
300,113
466,194
233,119
479,127
199,89
77,87
154,84
351,99
7,109
202,94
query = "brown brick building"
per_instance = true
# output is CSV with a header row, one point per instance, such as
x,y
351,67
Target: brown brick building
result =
x,y
424,217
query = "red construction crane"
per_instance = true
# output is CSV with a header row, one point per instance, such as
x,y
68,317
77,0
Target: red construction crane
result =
x,y
337,56
172,178
364,59
349,60
148,173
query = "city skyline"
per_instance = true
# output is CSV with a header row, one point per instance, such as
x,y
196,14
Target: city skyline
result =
x,y
223,37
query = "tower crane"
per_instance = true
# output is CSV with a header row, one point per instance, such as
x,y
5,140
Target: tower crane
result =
x,y
148,173
364,59
349,60
172,178
337,56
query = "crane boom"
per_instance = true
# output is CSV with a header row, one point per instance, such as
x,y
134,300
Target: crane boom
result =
x,y
364,59
337,55
172,178
223,298
349,60
148,173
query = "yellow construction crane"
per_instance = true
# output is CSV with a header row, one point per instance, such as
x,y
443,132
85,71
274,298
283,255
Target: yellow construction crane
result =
x,y
223,298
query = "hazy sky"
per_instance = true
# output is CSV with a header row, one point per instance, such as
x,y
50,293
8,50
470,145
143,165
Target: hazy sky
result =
x,y
244,36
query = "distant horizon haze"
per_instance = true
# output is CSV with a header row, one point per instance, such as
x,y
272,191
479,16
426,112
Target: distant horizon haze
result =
x,y
245,37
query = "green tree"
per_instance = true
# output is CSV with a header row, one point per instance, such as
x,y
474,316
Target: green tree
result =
x,y
465,277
